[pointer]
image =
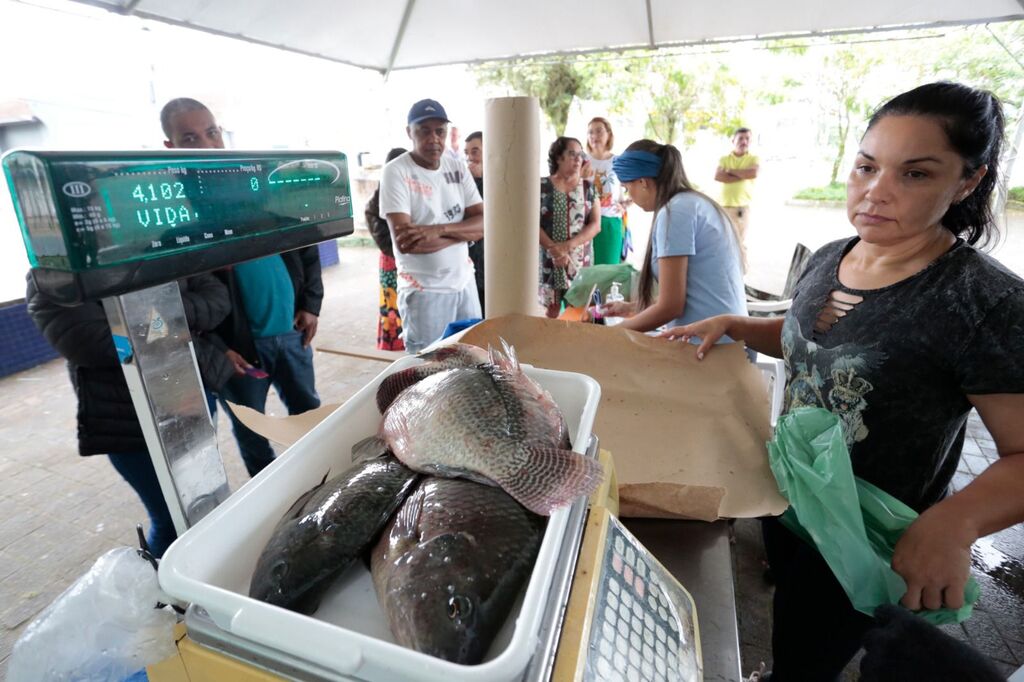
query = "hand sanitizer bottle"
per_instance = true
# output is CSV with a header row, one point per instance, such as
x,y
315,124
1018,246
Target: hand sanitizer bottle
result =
x,y
614,296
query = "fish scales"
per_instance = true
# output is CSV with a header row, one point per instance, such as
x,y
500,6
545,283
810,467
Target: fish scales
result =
x,y
326,530
450,565
490,423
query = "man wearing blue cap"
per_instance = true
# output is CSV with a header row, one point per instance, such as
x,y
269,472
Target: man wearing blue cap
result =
x,y
433,209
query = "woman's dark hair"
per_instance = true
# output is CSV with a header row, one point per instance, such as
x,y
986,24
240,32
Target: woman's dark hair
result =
x,y
671,180
556,150
378,226
973,122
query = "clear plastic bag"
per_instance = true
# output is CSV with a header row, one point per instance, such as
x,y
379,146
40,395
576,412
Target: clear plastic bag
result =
x,y
103,628
853,524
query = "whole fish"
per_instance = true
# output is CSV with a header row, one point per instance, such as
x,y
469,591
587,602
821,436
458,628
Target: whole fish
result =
x,y
451,563
325,530
446,357
490,424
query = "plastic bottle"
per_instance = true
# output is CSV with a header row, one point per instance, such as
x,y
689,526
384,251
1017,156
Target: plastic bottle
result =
x,y
614,296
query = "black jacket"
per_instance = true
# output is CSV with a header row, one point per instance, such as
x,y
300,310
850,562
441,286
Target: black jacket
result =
x,y
106,417
304,269
378,226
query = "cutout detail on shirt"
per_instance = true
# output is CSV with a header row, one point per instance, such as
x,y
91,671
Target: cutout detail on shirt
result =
x,y
836,307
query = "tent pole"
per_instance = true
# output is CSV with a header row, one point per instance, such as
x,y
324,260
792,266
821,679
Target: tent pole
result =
x,y
650,25
398,38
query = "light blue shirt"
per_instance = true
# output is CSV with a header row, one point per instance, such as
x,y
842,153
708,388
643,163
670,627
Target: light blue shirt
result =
x,y
690,225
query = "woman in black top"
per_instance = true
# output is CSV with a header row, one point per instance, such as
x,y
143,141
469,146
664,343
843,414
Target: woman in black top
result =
x,y
900,331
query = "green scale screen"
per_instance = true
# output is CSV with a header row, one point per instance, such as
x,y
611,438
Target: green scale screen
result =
x,y
99,224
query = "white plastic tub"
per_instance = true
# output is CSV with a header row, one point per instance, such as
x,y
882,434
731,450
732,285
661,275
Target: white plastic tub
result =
x,y
212,563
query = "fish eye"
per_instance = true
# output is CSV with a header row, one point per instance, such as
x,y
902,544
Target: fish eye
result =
x,y
459,607
279,570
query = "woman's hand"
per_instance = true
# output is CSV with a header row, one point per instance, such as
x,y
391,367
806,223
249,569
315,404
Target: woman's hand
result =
x,y
558,250
618,309
238,361
709,331
934,558
586,170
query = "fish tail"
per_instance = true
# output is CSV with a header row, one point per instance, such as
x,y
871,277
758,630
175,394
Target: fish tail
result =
x,y
551,478
395,383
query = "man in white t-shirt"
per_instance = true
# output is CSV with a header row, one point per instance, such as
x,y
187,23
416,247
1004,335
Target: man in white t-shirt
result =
x,y
433,209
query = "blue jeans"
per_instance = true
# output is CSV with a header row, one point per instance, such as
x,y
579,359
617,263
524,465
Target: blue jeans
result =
x,y
137,469
290,367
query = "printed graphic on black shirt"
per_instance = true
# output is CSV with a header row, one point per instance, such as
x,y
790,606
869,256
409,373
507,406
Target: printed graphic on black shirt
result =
x,y
897,364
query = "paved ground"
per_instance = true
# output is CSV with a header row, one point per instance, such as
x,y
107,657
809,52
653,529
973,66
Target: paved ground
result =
x,y
59,512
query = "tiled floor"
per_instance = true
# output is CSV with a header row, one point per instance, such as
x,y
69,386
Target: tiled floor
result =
x,y
59,512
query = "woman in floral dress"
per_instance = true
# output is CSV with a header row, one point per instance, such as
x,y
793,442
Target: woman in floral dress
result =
x,y
570,218
389,324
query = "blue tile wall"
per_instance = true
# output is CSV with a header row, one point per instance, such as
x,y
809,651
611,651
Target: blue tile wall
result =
x,y
328,253
21,344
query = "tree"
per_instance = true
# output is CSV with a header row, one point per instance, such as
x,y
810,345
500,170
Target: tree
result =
x,y
842,77
679,95
986,57
554,84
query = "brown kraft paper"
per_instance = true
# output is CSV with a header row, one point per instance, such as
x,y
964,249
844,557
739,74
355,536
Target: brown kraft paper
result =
x,y
688,437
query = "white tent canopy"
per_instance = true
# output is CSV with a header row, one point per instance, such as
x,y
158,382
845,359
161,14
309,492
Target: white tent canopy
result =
x,y
403,34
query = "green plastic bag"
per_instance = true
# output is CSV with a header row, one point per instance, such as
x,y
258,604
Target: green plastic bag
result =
x,y
602,276
853,524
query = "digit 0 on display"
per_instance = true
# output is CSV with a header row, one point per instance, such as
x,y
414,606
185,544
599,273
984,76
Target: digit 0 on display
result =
x,y
93,221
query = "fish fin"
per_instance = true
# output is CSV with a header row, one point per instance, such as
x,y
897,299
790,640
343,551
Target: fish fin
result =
x,y
407,518
310,600
394,384
442,471
503,366
551,478
510,353
369,448
297,505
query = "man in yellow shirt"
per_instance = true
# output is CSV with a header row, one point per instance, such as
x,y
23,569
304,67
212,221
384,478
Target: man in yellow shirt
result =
x,y
736,171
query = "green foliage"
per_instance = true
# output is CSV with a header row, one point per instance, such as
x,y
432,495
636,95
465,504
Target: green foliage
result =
x,y
554,84
987,57
843,76
835,191
677,98
1017,194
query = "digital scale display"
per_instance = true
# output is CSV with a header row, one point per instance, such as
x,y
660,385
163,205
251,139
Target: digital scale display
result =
x,y
141,218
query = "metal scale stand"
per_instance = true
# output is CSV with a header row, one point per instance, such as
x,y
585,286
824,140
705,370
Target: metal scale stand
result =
x,y
125,226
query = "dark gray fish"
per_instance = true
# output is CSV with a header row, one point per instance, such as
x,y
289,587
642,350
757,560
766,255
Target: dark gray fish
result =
x,y
325,530
450,565
446,357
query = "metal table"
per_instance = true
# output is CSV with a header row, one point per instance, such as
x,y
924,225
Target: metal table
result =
x,y
699,555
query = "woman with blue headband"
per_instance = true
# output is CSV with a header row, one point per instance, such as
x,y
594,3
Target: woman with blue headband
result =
x,y
693,252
